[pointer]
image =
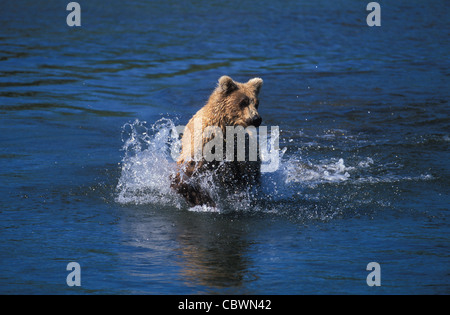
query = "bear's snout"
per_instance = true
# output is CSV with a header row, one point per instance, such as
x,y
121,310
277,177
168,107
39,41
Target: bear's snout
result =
x,y
256,121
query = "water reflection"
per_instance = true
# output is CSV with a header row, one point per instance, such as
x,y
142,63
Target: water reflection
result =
x,y
205,251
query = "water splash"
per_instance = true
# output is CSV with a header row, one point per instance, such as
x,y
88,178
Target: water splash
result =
x,y
326,171
148,165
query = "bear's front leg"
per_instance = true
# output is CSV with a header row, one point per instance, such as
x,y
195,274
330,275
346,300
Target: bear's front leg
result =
x,y
193,194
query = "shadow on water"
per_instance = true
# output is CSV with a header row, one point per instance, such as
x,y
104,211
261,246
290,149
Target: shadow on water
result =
x,y
208,251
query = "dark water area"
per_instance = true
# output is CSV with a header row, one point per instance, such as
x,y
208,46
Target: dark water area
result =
x,y
364,126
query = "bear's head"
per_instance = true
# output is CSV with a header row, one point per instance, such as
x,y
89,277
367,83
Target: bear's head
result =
x,y
237,103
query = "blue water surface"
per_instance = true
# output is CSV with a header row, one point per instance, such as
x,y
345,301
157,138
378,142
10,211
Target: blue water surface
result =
x,y
363,115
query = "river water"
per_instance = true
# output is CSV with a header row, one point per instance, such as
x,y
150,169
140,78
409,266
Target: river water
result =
x,y
86,114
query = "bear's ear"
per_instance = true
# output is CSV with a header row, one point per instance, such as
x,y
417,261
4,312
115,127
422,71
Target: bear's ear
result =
x,y
256,83
226,84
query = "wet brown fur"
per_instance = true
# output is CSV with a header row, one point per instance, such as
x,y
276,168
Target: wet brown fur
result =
x,y
230,104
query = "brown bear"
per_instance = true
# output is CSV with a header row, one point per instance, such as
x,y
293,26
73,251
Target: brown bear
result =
x,y
231,104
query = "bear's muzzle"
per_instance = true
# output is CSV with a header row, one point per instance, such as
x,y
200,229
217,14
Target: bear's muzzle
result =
x,y
256,121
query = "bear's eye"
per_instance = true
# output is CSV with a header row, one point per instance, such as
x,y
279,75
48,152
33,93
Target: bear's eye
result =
x,y
244,103
257,104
